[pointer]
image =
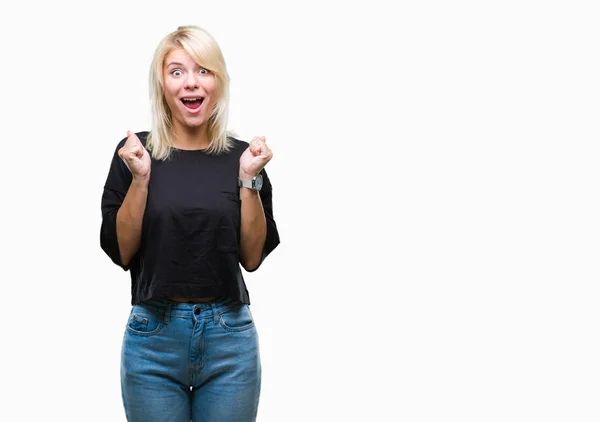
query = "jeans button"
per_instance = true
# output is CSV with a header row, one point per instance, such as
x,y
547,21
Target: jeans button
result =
x,y
197,311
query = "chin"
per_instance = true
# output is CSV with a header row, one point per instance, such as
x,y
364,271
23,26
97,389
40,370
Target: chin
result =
x,y
195,123
192,123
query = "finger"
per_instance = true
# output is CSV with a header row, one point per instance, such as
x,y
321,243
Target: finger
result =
x,y
132,138
254,148
126,152
139,153
265,151
133,159
258,144
258,139
126,163
136,150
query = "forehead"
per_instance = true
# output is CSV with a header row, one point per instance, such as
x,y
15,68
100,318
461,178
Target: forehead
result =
x,y
179,56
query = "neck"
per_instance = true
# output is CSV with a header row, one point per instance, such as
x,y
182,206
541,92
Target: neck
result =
x,y
190,137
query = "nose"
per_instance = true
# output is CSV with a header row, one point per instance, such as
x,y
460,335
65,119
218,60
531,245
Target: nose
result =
x,y
191,82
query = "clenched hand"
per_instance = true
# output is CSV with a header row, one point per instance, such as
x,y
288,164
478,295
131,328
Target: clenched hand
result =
x,y
256,156
135,157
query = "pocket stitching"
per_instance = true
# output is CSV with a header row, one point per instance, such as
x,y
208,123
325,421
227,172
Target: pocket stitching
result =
x,y
235,329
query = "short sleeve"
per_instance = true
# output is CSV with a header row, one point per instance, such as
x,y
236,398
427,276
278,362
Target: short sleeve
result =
x,y
266,197
115,188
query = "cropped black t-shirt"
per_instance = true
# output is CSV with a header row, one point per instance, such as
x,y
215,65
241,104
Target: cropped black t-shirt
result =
x,y
191,225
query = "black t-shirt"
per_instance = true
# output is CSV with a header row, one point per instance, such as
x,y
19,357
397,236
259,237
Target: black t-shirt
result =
x,y
191,225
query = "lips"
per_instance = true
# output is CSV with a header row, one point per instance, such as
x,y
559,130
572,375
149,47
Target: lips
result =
x,y
192,103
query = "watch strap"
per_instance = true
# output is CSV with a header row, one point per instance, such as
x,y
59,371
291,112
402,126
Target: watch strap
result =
x,y
246,183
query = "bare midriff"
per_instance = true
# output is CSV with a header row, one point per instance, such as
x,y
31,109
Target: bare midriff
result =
x,y
192,299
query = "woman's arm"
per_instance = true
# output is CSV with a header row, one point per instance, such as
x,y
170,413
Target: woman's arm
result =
x,y
258,232
253,231
130,217
124,200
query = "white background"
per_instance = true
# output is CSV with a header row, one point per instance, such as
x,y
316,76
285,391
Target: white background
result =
x,y
435,181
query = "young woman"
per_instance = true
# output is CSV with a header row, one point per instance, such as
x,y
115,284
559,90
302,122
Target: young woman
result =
x,y
183,206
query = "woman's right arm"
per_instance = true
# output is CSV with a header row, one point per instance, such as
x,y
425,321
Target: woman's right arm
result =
x,y
124,201
129,219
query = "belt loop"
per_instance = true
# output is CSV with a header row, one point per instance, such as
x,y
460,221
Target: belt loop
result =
x,y
215,310
167,309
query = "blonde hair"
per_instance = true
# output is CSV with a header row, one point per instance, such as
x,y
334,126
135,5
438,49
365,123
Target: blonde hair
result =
x,y
205,51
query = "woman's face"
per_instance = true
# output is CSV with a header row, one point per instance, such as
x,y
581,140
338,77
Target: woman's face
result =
x,y
189,89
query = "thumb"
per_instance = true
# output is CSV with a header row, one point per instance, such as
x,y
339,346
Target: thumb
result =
x,y
132,138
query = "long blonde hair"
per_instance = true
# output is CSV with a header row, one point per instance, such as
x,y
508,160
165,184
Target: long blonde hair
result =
x,y
205,51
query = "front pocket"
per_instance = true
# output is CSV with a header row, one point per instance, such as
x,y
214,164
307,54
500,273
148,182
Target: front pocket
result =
x,y
238,318
143,321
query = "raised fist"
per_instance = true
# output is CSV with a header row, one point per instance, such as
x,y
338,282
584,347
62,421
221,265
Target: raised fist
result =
x,y
135,157
256,156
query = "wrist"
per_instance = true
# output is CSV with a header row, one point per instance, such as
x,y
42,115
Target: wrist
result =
x,y
141,182
251,182
246,176
248,193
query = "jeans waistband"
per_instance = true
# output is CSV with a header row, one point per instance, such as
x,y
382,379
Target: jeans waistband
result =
x,y
170,308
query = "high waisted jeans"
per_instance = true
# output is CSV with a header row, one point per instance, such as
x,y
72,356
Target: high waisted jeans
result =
x,y
190,361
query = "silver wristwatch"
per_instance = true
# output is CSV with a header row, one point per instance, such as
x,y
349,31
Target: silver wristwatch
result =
x,y
255,183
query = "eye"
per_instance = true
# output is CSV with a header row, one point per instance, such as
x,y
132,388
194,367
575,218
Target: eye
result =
x,y
176,72
204,71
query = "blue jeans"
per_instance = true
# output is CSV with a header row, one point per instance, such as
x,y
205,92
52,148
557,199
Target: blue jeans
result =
x,y
190,361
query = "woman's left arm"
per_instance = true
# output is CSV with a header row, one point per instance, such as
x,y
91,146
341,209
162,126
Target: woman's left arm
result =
x,y
253,232
258,231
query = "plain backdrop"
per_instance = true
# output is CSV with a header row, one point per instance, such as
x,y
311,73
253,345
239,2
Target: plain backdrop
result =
x,y
435,181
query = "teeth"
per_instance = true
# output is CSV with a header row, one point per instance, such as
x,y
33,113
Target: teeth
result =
x,y
192,99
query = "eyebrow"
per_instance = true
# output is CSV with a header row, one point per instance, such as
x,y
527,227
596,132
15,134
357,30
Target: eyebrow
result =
x,y
174,64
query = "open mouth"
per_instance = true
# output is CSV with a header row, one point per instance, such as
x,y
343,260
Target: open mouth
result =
x,y
192,103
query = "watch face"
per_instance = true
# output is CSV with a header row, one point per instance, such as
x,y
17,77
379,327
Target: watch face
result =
x,y
258,182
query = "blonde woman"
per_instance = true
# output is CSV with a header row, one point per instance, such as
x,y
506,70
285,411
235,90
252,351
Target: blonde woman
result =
x,y
183,206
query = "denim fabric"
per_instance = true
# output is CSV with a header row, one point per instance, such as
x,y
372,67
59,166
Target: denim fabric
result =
x,y
183,362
